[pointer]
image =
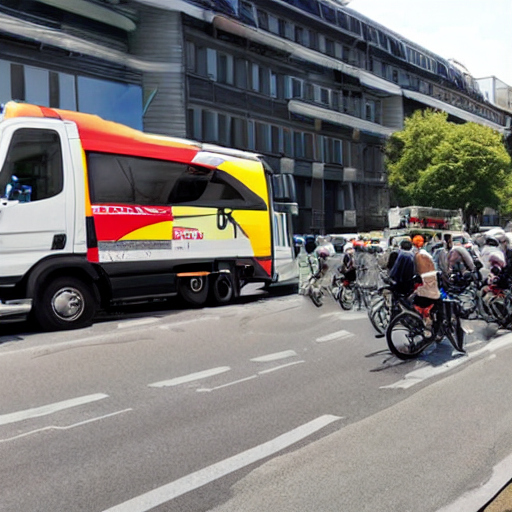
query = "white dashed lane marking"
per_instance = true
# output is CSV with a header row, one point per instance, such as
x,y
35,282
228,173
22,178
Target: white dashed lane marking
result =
x,y
45,410
190,377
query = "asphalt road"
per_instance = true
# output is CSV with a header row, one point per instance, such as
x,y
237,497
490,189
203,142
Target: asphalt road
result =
x,y
269,404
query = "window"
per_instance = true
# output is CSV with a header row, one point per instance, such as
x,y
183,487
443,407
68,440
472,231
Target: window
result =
x,y
370,110
286,29
224,132
287,142
241,73
32,169
335,98
309,92
343,20
319,148
262,20
211,64
276,139
313,39
329,47
190,48
54,89
195,123
299,35
239,133
297,88
264,80
383,40
324,96
17,82
246,13
263,137
309,146
122,179
224,68
251,142
328,13
255,77
274,89
209,126
298,144
355,25
273,24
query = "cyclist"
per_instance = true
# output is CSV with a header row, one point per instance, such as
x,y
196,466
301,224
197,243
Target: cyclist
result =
x,y
402,272
348,264
417,242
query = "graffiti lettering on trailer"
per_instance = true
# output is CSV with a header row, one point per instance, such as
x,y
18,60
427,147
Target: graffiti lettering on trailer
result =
x,y
130,210
187,234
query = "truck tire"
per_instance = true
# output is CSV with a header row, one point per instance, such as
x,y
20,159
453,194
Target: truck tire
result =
x,y
65,303
222,288
193,290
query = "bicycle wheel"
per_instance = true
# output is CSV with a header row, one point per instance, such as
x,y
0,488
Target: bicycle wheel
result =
x,y
468,303
453,327
405,335
346,298
379,316
316,296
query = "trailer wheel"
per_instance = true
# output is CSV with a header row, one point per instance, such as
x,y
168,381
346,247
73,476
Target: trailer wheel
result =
x,y
193,290
65,303
222,288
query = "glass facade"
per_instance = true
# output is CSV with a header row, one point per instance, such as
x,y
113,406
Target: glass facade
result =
x,y
110,100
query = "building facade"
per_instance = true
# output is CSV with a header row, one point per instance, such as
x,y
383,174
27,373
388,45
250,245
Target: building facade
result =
x,y
314,86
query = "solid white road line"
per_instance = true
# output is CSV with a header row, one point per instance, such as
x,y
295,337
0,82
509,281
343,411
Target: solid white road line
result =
x,y
44,410
137,322
207,390
269,370
477,498
186,322
334,336
68,427
274,357
191,377
204,476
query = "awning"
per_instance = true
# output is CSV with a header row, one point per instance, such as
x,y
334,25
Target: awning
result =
x,y
93,12
375,82
58,39
305,109
191,10
450,109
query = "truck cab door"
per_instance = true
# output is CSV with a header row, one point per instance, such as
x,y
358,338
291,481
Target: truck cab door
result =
x,y
34,211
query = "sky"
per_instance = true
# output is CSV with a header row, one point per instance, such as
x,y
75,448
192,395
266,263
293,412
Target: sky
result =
x,y
477,33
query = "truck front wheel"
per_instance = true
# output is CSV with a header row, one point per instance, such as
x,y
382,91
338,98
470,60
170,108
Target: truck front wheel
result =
x,y
65,303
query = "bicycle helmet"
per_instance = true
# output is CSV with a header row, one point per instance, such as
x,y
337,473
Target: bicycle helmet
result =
x,y
418,241
323,252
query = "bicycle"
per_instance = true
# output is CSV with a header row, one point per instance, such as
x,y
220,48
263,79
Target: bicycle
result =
x,y
385,304
353,292
410,333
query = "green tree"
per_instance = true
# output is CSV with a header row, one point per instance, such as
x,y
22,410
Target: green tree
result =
x,y
433,162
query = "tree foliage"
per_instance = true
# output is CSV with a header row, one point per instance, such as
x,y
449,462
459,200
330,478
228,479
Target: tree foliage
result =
x,y
433,162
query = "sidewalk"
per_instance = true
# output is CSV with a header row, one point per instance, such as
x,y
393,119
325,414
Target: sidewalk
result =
x,y
502,502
